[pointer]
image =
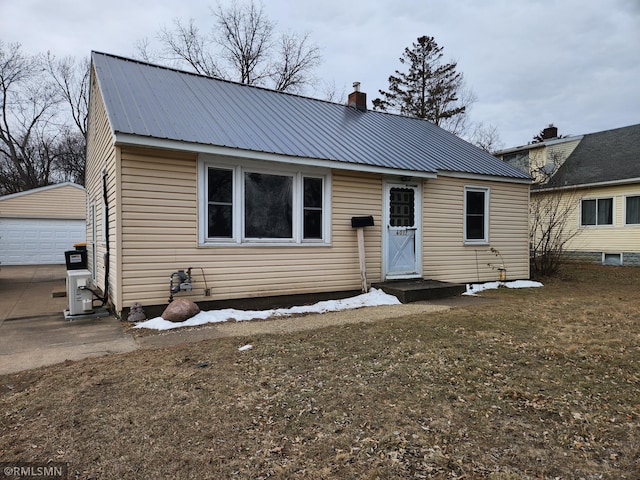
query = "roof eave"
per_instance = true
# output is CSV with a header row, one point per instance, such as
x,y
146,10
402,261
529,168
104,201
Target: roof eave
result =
x,y
546,143
41,189
127,139
483,177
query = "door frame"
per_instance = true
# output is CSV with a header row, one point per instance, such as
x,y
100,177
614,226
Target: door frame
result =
x,y
387,186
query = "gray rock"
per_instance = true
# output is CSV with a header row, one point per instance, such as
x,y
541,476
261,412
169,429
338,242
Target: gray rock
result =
x,y
180,309
136,313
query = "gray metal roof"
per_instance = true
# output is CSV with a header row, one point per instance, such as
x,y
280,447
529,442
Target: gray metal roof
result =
x,y
162,103
609,156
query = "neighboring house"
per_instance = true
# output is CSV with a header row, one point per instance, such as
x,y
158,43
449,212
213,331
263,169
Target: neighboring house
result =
x,y
255,191
600,174
37,226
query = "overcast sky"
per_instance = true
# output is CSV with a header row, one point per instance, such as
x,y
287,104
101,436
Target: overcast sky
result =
x,y
573,63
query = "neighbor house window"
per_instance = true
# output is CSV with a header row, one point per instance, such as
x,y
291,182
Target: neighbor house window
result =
x,y
632,209
476,215
597,211
245,204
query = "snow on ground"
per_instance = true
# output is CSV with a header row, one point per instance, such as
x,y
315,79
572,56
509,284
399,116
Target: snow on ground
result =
x,y
475,288
373,298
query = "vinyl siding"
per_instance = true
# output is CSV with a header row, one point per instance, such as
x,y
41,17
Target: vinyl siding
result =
x,y
55,202
159,218
445,255
101,154
610,239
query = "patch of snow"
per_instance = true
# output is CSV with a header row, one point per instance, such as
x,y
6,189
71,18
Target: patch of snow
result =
x,y
475,288
373,298
245,347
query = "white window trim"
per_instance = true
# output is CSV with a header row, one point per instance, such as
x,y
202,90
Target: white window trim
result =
x,y
624,213
298,172
613,212
487,216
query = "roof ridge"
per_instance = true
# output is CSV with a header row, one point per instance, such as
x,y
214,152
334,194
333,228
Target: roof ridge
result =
x,y
225,80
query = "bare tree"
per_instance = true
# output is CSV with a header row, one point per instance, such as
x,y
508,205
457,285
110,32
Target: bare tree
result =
x,y
72,80
332,93
551,220
43,119
186,44
486,137
68,151
243,46
245,35
29,107
291,71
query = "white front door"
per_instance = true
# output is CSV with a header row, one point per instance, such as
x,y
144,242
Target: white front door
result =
x,y
402,231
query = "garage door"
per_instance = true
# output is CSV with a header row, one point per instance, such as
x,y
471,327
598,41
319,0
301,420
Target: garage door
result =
x,y
28,241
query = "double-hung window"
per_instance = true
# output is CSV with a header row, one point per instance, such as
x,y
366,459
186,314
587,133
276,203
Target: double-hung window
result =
x,y
252,203
476,215
596,212
632,209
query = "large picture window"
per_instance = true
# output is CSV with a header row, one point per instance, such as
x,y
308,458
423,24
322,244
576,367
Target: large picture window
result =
x,y
268,205
476,215
597,211
245,204
632,209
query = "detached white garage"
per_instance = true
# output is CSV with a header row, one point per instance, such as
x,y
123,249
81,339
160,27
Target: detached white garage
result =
x,y
39,225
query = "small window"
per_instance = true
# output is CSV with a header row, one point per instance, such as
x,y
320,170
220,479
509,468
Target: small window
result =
x,y
476,212
220,203
597,211
632,209
312,195
612,259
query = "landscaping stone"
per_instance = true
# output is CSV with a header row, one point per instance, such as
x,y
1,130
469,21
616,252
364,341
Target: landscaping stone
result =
x,y
179,310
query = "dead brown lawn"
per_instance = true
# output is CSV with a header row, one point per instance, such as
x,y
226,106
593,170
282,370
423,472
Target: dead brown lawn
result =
x,y
542,383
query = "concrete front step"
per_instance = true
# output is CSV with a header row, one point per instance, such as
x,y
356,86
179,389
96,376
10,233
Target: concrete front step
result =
x,y
417,290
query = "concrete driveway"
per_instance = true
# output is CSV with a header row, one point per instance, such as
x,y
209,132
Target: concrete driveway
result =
x,y
33,330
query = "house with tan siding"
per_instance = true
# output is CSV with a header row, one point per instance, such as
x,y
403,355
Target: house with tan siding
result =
x,y
254,192
596,177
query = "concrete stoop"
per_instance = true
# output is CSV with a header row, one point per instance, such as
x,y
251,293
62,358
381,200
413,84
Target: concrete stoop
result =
x,y
408,291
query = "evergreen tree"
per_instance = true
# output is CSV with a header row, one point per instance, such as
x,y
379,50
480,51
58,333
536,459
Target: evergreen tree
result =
x,y
429,89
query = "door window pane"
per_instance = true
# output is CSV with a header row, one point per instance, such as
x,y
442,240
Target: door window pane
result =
x,y
402,207
268,201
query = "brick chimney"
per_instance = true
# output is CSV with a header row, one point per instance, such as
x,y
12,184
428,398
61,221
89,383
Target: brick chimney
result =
x,y
550,132
357,98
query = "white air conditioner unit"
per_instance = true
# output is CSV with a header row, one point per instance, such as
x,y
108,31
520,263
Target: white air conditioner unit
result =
x,y
80,300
